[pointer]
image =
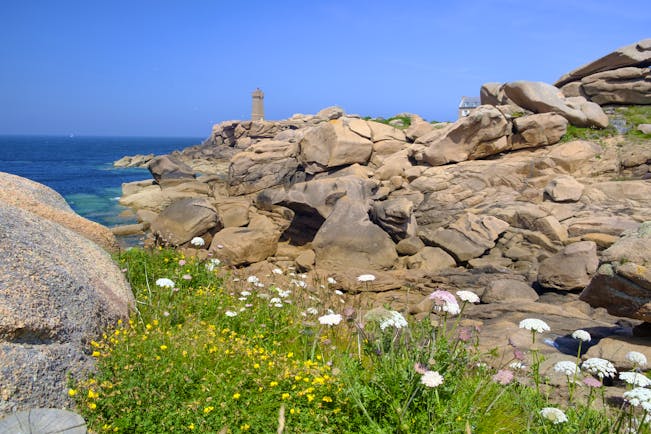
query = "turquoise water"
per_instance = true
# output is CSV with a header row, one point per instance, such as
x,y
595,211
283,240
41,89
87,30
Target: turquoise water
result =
x,y
81,168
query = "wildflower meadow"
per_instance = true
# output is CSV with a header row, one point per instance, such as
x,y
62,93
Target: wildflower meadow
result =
x,y
208,350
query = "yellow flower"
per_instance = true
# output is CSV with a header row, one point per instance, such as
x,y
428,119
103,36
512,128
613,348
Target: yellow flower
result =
x,y
185,353
191,427
148,326
256,366
208,409
290,355
245,427
96,354
92,394
72,392
273,384
92,405
94,344
236,396
310,397
327,399
155,322
285,396
119,322
163,347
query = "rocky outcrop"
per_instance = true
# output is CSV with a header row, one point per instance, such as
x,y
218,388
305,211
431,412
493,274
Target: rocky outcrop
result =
x,y
637,54
541,97
50,205
623,282
621,77
59,291
183,220
571,268
169,168
138,160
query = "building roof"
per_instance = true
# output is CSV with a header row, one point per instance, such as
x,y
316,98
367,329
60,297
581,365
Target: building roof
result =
x,y
469,102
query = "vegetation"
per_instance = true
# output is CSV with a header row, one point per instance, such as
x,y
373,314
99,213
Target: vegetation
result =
x,y
207,351
400,122
632,115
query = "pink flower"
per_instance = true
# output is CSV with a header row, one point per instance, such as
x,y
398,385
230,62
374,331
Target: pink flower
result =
x,y
187,277
591,382
182,262
465,334
445,301
503,376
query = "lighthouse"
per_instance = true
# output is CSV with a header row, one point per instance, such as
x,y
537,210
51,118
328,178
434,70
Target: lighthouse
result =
x,y
257,112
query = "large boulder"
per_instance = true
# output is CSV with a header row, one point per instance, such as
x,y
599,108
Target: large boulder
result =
x,y
169,168
621,86
571,268
480,134
564,188
266,164
623,282
637,54
59,292
50,205
348,239
240,246
332,144
396,217
184,220
468,237
538,130
541,97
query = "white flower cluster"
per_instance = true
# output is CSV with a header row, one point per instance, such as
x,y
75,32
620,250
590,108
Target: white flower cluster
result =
x,y
164,282
330,319
639,397
599,367
395,319
468,296
211,264
636,358
553,414
635,378
197,242
431,379
567,368
365,278
582,335
534,324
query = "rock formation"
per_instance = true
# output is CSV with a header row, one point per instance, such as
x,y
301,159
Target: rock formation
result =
x,y
495,202
621,77
58,291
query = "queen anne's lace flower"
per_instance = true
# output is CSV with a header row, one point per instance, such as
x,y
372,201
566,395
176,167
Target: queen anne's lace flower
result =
x,y
468,296
599,367
639,397
211,264
330,319
230,313
635,378
503,376
534,324
445,301
197,242
164,282
636,358
394,319
553,414
252,279
517,366
365,278
582,335
567,367
277,271
431,379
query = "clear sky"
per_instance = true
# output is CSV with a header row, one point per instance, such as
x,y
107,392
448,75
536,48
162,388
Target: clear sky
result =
x,y
174,68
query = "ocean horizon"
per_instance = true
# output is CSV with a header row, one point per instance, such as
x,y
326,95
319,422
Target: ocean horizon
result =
x,y
80,168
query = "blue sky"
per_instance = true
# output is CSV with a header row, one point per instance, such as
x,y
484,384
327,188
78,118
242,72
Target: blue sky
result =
x,y
174,68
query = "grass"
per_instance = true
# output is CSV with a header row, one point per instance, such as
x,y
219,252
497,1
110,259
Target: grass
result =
x,y
633,115
218,353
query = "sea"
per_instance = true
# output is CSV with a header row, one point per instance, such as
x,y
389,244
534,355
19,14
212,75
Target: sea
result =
x,y
80,168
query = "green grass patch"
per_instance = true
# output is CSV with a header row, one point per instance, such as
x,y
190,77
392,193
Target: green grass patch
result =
x,y
400,122
221,353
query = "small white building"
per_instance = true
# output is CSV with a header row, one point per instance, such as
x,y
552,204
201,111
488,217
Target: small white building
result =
x,y
468,104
